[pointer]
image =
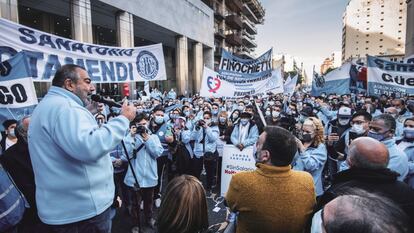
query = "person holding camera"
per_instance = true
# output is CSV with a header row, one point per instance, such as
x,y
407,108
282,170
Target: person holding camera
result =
x,y
144,163
205,135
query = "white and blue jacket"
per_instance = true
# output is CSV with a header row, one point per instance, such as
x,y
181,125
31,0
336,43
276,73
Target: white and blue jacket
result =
x,y
313,160
252,136
210,145
145,162
398,159
70,156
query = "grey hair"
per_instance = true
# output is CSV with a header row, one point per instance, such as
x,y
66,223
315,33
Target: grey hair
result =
x,y
389,121
68,71
358,211
21,129
359,160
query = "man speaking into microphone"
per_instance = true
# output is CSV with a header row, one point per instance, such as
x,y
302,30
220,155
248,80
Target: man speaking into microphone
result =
x,y
70,155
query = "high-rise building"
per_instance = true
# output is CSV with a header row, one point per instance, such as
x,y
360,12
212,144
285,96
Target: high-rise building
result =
x,y
409,42
235,26
184,27
374,27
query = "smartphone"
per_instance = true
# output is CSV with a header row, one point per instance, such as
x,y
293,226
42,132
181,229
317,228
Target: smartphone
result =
x,y
334,130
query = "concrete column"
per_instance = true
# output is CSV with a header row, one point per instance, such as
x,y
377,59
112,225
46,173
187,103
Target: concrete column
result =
x,y
9,10
197,66
81,20
209,58
182,64
409,41
125,38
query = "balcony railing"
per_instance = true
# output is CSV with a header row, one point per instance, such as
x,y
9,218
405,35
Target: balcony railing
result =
x,y
234,39
219,33
234,5
234,21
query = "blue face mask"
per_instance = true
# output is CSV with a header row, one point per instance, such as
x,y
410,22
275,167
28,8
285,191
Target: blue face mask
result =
x,y
187,113
380,137
159,119
408,133
215,112
244,121
173,116
222,119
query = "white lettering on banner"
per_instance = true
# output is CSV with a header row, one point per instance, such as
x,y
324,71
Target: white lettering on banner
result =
x,y
46,53
385,77
235,161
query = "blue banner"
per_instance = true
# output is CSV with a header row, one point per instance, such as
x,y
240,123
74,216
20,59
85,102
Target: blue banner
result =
x,y
336,81
17,93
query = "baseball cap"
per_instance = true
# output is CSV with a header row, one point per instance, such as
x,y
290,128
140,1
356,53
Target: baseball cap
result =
x,y
344,112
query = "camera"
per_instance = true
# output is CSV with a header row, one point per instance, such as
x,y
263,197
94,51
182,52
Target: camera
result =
x,y
141,129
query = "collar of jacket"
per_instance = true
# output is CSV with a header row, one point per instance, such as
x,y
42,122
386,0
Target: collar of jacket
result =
x,y
66,93
389,142
271,170
383,175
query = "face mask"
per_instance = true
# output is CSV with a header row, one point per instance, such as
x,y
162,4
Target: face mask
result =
x,y
408,133
375,135
241,108
140,110
275,114
398,110
267,113
187,113
222,120
317,222
306,137
244,121
197,109
159,120
173,116
343,121
215,112
358,129
271,103
235,116
12,133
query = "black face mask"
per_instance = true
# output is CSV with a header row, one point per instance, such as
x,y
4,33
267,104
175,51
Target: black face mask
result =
x,y
306,137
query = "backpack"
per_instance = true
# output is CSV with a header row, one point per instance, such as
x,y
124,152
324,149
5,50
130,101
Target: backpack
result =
x,y
12,202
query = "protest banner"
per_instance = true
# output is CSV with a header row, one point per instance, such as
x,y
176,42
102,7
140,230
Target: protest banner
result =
x,y
409,59
46,53
216,85
390,78
17,93
336,81
235,161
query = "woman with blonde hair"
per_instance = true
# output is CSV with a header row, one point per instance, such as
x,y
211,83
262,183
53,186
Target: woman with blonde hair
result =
x,y
312,151
184,207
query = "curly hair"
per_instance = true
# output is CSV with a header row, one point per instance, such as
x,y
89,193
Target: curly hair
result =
x,y
319,130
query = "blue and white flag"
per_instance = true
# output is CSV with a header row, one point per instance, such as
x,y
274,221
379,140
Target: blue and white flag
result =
x,y
17,92
336,81
386,77
290,85
46,53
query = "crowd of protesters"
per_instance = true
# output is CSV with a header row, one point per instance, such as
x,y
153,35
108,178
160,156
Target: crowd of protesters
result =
x,y
329,163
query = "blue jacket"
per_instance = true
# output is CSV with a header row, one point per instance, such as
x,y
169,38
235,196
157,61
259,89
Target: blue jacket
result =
x,y
211,136
70,156
409,151
145,163
398,159
313,161
252,136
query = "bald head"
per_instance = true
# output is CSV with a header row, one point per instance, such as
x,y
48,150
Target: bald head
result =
x,y
365,152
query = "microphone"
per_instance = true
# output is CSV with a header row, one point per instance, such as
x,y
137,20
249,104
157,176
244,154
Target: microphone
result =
x,y
110,103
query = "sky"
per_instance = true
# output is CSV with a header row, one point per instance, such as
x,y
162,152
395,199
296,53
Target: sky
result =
x,y
307,29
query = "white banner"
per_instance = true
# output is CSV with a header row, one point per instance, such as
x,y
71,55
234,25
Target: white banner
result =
x,y
46,53
385,77
235,161
290,85
216,85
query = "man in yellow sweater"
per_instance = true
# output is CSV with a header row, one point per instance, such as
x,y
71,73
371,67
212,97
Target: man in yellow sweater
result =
x,y
273,198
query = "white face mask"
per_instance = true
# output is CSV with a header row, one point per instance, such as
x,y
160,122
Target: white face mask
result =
x,y
343,121
275,114
358,129
317,222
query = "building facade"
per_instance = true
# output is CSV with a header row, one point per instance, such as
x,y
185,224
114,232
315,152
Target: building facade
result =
x,y
235,26
331,62
184,27
374,27
409,41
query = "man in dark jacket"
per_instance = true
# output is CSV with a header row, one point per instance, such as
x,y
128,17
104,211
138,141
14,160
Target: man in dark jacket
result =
x,y
368,160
